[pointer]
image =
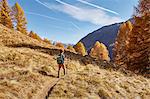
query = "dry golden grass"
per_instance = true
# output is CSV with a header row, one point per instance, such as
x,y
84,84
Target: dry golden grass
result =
x,y
19,72
21,75
96,83
12,37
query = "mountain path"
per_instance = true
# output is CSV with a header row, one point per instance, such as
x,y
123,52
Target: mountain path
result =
x,y
46,91
50,84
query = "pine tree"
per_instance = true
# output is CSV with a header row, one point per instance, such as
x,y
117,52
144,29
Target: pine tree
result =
x,y
60,45
70,48
100,51
47,41
20,18
5,12
143,7
135,45
80,48
119,50
138,48
34,36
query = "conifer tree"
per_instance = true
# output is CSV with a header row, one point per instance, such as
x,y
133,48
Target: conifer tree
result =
x,y
143,7
47,41
71,48
100,51
34,36
20,18
5,13
80,48
60,45
119,50
135,45
138,47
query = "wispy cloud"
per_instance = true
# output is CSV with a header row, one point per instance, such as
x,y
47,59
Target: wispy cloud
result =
x,y
99,7
94,15
45,16
71,6
38,1
45,4
52,18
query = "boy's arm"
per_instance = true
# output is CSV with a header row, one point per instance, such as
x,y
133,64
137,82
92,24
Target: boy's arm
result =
x,y
63,56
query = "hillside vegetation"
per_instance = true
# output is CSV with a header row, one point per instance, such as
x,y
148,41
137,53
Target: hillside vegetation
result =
x,y
132,46
28,73
95,83
28,65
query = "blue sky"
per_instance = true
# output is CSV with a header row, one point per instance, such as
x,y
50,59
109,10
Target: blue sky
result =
x,y
68,21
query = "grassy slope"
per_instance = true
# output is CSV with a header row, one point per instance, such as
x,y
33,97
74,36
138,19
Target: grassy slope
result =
x,y
19,72
93,83
20,77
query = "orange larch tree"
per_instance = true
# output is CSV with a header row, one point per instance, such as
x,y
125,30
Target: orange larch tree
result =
x,y
60,45
6,17
80,48
70,48
119,50
47,41
100,51
20,18
138,47
34,35
136,42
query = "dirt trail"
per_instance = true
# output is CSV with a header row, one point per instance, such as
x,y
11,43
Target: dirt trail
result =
x,y
50,84
46,91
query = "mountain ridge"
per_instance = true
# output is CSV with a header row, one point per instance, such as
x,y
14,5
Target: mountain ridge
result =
x,y
102,36
106,34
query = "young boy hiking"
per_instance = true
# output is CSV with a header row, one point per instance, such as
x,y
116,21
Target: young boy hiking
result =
x,y
60,62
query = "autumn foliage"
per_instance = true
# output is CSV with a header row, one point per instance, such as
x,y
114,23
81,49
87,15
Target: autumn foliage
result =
x,y
70,48
60,45
80,48
121,43
34,36
100,51
138,48
47,41
5,14
13,16
20,18
134,52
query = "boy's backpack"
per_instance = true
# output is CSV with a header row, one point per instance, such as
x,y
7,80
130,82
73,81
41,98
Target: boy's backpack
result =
x,y
60,59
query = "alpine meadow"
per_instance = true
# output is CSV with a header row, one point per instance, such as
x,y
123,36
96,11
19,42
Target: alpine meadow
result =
x,y
48,49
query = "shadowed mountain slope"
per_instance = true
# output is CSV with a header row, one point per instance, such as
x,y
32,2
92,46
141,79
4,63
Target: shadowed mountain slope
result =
x,y
106,35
